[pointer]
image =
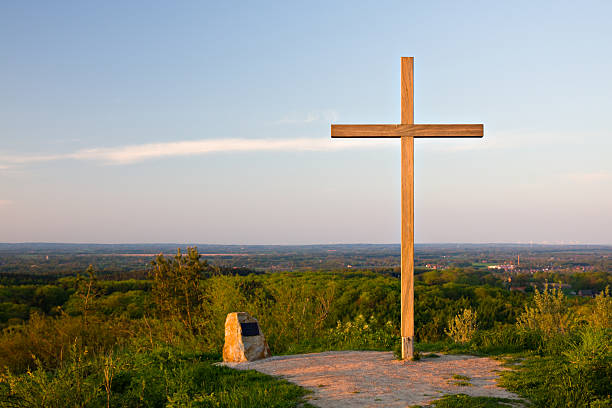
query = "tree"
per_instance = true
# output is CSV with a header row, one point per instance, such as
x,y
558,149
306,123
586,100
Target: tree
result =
x,y
177,290
87,290
48,297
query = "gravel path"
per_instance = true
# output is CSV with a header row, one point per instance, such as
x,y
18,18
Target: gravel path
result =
x,y
376,379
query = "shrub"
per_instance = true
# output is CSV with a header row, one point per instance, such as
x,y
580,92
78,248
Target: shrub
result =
x,y
549,316
462,328
601,317
48,340
363,334
591,361
579,377
72,384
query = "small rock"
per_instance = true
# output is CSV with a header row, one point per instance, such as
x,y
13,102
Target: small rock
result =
x,y
244,340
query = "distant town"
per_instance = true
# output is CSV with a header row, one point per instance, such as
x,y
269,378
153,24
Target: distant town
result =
x,y
580,270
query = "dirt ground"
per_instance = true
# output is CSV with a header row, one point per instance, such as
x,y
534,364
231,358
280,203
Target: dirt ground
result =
x,y
376,379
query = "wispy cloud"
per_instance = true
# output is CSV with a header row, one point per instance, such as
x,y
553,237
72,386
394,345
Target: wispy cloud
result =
x,y
138,153
142,152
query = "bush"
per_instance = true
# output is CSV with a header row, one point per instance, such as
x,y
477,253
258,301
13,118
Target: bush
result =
x,y
591,361
74,383
48,339
362,334
550,314
463,327
601,317
578,377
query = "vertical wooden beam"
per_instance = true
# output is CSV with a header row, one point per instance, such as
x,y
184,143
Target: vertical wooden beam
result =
x,y
407,278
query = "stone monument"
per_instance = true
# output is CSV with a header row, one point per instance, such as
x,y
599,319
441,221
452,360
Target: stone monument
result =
x,y
244,340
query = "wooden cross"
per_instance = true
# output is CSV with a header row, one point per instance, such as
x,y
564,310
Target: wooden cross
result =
x,y
407,131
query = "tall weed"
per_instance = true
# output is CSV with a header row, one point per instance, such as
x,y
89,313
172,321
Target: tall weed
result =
x,y
549,315
601,315
48,339
463,327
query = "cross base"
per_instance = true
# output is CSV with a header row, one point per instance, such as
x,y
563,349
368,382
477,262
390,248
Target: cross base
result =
x,y
407,348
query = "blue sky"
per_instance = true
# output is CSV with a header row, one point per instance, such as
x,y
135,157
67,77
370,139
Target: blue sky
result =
x,y
208,122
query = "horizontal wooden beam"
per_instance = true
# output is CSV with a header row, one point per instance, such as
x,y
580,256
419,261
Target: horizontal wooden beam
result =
x,y
407,130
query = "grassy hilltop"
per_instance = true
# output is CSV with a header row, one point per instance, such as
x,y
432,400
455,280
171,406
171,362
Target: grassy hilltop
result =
x,y
83,341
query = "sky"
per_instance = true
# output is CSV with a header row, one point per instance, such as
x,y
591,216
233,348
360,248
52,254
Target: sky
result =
x,y
209,122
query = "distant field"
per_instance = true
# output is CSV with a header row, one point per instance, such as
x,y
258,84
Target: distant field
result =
x,y
62,259
153,255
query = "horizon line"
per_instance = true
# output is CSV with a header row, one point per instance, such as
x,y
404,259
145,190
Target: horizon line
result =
x,y
195,244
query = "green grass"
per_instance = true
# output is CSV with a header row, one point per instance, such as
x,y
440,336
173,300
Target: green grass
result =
x,y
494,342
572,370
480,265
462,384
462,381
464,401
161,378
552,382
